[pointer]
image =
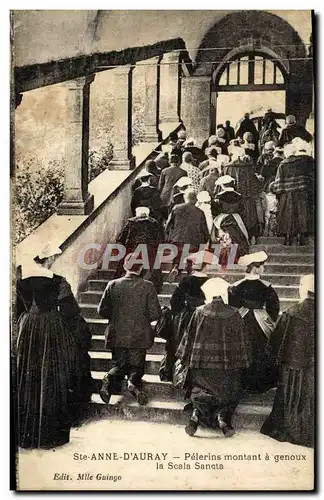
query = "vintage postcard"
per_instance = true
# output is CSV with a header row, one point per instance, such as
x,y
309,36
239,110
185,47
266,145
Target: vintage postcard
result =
x,y
163,236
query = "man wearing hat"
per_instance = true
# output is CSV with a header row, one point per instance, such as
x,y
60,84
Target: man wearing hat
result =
x,y
258,304
291,348
169,176
216,349
186,224
292,130
130,304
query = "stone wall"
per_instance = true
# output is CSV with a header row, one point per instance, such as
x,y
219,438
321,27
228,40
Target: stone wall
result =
x,y
102,230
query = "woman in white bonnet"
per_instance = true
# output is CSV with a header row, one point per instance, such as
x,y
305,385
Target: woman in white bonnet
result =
x,y
50,365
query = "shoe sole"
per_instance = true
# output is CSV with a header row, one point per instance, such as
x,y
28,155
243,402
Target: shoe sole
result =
x,y
105,397
140,397
191,431
229,433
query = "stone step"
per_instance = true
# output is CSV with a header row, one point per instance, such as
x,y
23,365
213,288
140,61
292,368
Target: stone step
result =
x,y
283,291
98,340
101,361
291,258
275,279
94,296
90,310
270,249
165,390
271,240
269,268
247,416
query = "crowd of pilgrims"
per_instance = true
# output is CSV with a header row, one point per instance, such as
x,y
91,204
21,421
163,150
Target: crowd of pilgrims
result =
x,y
223,341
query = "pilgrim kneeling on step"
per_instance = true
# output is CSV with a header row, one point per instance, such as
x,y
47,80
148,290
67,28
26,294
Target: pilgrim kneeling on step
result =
x,y
258,305
214,352
130,304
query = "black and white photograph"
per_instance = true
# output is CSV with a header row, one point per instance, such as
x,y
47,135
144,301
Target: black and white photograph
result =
x,y
163,234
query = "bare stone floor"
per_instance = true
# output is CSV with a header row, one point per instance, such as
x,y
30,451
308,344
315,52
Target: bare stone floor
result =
x,y
132,455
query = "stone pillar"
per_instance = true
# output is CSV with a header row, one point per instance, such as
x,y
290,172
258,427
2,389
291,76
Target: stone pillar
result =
x,y
170,88
123,158
152,97
76,198
196,112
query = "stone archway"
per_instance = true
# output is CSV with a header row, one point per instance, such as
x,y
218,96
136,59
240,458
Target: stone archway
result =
x,y
255,32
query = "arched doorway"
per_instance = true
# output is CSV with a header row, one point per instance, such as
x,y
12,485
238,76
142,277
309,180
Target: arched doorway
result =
x,y
263,38
240,75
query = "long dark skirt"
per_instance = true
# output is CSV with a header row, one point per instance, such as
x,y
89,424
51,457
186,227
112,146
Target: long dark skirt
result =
x,y
46,378
180,323
230,226
250,216
261,375
293,414
292,216
215,393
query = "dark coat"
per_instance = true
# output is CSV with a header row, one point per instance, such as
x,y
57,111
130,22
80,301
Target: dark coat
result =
x,y
131,304
269,171
250,187
291,131
207,183
169,176
230,132
147,196
291,347
187,224
247,125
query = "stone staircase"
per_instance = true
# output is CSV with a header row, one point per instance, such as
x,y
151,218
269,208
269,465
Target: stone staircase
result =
x,y
283,269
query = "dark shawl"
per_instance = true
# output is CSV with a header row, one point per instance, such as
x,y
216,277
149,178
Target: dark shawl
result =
x,y
215,339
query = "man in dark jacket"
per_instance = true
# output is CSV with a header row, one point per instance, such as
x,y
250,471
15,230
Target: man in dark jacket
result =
x,y
230,132
130,304
169,177
186,224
